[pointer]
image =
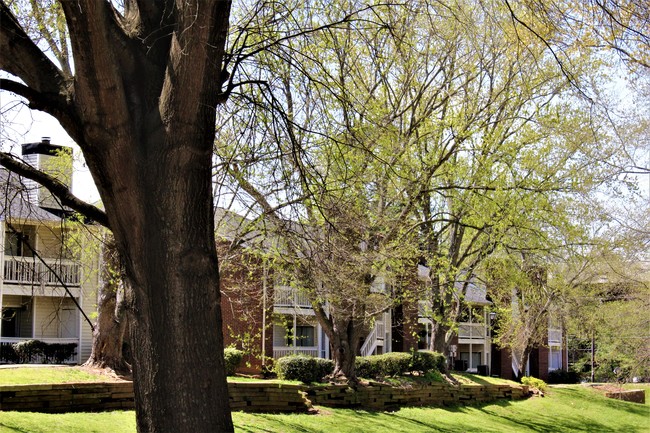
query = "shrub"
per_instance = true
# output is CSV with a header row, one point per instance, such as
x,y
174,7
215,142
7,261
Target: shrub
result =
x,y
426,360
28,350
533,382
8,353
303,368
563,376
58,352
233,358
388,364
396,363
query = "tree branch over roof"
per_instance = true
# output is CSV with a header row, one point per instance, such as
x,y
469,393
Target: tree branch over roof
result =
x,y
22,58
56,187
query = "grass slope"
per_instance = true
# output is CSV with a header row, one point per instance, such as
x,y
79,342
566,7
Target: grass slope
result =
x,y
63,374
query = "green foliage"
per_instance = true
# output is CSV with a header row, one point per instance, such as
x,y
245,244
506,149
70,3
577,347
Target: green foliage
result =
x,y
306,369
533,382
425,361
233,358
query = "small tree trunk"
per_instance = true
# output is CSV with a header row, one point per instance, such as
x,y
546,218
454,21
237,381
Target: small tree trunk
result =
x,y
523,361
110,327
344,344
439,340
108,335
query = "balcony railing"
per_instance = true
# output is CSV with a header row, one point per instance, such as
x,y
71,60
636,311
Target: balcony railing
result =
x,y
374,339
472,331
279,352
284,296
28,270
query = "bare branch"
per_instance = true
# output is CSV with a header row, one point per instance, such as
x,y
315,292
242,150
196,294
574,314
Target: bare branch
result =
x,y
56,187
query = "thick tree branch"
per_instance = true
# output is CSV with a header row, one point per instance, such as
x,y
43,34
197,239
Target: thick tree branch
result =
x,y
53,104
22,58
56,187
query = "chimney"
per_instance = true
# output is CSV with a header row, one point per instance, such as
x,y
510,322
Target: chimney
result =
x,y
52,159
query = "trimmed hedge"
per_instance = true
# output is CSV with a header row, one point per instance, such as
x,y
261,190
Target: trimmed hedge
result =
x,y
31,350
563,376
306,369
388,364
426,360
233,358
396,363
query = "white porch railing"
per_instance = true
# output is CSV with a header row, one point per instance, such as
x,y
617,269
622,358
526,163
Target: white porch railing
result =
x,y
28,270
554,336
39,359
284,296
279,352
472,331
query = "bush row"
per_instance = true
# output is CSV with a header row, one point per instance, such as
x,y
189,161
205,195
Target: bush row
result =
x,y
308,369
563,376
35,350
396,363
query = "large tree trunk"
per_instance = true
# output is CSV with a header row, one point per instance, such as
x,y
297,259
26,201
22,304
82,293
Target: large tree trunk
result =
x,y
148,135
175,316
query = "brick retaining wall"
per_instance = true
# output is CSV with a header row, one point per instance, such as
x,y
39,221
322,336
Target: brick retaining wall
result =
x,y
255,396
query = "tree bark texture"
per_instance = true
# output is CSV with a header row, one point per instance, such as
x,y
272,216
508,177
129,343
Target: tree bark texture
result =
x,y
142,108
111,323
345,338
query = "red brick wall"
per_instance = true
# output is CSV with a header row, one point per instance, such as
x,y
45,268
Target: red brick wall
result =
x,y
242,291
542,353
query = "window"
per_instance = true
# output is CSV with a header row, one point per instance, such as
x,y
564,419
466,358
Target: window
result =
x,y
555,358
476,359
304,336
16,244
11,319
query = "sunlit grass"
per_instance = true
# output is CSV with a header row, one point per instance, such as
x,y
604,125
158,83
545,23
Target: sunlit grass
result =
x,y
62,374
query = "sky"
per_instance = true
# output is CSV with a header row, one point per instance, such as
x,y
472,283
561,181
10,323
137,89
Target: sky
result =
x,y
20,125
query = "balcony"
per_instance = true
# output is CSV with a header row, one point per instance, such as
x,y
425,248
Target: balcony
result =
x,y
279,352
284,296
474,332
29,270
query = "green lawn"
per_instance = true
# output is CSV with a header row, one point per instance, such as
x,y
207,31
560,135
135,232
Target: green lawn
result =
x,y
63,374
566,409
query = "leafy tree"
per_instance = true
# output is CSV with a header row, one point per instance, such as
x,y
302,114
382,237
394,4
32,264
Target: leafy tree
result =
x,y
315,172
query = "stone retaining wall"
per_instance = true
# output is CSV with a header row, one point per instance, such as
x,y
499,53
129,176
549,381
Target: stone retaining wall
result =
x,y
255,396
633,395
67,397
384,397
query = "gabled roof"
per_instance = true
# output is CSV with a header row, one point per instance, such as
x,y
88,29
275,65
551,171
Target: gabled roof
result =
x,y
14,202
474,294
